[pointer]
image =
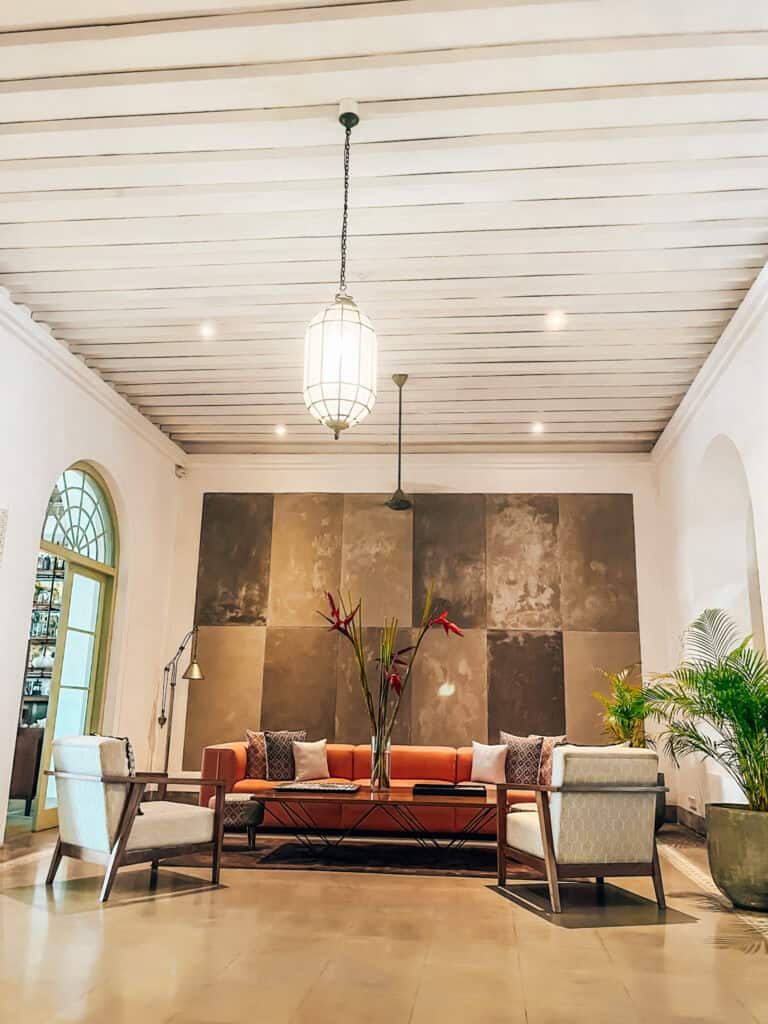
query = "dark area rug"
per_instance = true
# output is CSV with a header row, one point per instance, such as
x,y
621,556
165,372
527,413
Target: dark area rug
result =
x,y
376,856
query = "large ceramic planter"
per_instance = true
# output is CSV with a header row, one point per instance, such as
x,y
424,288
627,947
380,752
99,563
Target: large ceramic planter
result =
x,y
737,843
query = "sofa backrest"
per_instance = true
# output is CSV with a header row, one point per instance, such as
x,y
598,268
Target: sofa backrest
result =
x,y
341,760
412,762
464,764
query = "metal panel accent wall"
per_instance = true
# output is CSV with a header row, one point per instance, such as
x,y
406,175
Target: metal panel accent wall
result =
x,y
544,586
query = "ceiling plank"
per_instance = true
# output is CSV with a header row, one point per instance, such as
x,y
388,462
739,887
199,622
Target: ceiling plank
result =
x,y
613,146
474,216
129,115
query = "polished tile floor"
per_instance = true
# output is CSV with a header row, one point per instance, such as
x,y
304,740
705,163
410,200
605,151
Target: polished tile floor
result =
x,y
290,946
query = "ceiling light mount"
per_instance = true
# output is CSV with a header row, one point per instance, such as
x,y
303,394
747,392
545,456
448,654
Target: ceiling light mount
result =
x,y
340,347
348,114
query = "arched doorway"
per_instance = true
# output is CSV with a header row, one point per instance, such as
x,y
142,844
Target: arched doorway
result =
x,y
68,644
722,534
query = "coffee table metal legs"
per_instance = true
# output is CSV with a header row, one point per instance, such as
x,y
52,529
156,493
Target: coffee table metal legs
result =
x,y
296,818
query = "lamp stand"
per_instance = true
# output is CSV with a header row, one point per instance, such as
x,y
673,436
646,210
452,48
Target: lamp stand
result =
x,y
170,673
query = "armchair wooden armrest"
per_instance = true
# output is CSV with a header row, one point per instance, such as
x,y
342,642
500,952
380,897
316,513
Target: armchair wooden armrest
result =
x,y
146,778
594,787
160,779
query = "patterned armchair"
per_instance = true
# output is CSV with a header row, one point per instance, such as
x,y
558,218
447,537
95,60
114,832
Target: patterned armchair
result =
x,y
99,817
596,819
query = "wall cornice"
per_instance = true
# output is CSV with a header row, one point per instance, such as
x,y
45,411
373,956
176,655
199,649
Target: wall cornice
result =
x,y
17,319
738,331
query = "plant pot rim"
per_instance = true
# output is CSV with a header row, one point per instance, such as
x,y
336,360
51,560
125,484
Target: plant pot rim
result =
x,y
744,808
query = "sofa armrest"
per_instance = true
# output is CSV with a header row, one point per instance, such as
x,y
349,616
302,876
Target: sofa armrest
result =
x,y
225,761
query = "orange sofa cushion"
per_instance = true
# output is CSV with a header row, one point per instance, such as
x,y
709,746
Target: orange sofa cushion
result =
x,y
341,758
428,764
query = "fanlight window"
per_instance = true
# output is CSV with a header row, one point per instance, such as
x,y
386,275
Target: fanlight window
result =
x,y
79,519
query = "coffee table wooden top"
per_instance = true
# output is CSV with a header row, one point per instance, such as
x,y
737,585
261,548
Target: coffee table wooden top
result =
x,y
364,795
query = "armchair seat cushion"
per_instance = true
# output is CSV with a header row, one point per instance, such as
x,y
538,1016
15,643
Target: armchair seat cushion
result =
x,y
524,833
165,823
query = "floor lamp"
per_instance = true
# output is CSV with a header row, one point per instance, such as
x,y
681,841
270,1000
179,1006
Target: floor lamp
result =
x,y
169,686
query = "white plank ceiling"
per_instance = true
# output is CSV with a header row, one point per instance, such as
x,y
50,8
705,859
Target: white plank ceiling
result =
x,y
171,162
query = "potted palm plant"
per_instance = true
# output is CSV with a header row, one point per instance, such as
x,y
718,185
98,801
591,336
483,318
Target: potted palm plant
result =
x,y
715,704
624,712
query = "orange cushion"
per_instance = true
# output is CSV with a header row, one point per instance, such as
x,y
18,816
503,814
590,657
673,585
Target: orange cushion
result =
x,y
340,760
464,764
429,764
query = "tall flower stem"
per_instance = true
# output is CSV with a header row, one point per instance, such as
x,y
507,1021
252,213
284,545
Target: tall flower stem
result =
x,y
394,670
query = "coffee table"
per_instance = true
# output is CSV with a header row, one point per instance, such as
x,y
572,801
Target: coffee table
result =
x,y
292,808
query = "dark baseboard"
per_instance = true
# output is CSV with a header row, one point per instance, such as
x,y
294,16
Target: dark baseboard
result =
x,y
689,819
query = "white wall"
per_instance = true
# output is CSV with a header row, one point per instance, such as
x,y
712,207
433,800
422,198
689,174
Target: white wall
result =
x,y
53,412
632,474
713,455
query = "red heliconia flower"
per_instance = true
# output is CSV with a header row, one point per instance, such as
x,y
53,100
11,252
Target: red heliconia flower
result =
x,y
449,627
338,623
396,683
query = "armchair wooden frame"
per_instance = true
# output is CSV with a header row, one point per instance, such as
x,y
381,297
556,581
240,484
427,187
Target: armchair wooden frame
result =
x,y
555,872
120,855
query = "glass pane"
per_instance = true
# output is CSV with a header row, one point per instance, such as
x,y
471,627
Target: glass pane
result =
x,y
84,603
78,658
70,721
78,517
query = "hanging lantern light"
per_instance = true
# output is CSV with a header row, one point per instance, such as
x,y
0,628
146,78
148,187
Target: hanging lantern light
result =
x,y
340,348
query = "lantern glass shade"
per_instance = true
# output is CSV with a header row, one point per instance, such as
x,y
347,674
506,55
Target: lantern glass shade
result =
x,y
340,365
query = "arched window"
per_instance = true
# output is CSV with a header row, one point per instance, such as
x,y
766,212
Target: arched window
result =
x,y
78,517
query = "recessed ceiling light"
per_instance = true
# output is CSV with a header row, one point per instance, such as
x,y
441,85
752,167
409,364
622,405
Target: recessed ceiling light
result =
x,y
208,329
537,427
280,430
556,320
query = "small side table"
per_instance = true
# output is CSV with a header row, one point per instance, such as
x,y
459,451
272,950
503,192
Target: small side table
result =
x,y
241,813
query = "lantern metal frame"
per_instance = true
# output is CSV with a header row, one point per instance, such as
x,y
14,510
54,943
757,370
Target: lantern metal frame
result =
x,y
340,345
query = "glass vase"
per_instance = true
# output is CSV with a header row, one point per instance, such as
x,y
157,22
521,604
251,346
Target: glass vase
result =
x,y
380,761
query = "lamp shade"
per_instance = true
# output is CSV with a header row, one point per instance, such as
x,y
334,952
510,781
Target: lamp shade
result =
x,y
193,670
340,365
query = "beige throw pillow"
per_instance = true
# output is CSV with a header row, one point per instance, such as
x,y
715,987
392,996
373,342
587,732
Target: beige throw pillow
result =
x,y
489,762
311,760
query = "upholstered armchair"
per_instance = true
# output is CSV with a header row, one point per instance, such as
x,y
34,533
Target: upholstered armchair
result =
x,y
596,819
102,818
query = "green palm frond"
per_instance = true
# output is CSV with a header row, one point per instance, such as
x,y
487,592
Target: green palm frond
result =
x,y
625,709
711,637
715,704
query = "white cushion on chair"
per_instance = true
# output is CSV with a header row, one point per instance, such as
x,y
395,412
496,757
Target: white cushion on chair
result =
x,y
90,810
523,832
164,823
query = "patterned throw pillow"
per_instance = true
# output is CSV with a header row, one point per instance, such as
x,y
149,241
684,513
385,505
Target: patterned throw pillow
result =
x,y
523,757
255,756
280,764
545,765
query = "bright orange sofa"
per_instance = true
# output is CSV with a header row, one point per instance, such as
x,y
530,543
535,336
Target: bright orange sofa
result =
x,y
347,763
